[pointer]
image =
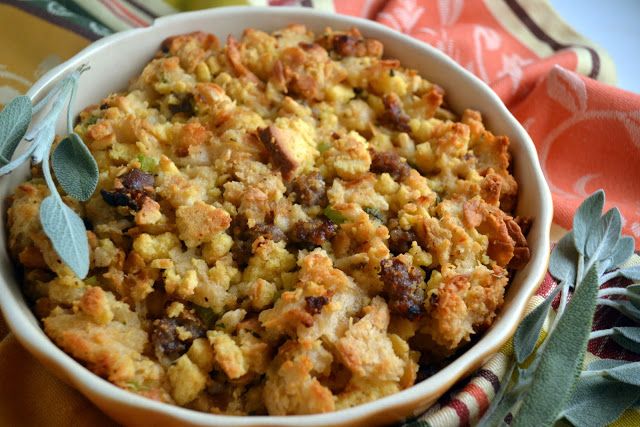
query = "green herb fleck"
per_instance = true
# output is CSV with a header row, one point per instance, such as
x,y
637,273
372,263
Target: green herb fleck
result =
x,y
374,213
148,164
323,146
91,281
205,314
334,215
136,386
92,120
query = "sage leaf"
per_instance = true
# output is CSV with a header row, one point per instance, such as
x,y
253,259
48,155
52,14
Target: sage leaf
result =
x,y
564,259
627,337
586,218
14,122
528,332
599,365
561,362
66,231
635,289
618,370
599,401
621,252
631,273
75,168
605,235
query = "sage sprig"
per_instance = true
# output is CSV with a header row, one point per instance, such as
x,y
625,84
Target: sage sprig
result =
x,y
547,384
75,169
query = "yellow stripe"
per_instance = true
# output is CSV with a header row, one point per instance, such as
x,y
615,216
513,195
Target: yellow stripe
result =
x,y
32,52
543,14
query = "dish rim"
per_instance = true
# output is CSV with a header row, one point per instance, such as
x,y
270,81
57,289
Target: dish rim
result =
x,y
33,338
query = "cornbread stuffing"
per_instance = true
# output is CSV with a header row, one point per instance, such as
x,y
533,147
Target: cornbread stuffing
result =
x,y
284,224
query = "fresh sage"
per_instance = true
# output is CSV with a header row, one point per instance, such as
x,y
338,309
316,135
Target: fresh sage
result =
x,y
605,236
561,361
621,252
545,386
14,122
75,169
619,370
66,231
526,336
586,218
599,401
627,339
563,264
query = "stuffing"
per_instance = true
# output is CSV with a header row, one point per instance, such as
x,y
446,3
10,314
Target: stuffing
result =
x,y
200,222
187,380
227,354
292,386
284,223
107,336
367,350
361,192
349,157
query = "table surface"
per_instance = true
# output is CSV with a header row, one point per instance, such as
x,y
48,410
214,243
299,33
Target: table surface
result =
x,y
614,26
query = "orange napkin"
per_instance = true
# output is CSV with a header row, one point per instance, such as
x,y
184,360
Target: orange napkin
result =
x,y
553,80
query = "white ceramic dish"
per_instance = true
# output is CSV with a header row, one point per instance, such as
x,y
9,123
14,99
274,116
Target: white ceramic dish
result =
x,y
116,59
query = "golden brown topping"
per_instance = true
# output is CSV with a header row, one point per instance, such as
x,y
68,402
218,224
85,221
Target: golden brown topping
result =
x,y
507,244
351,44
200,222
277,143
191,48
433,100
521,252
490,188
402,286
190,135
234,58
